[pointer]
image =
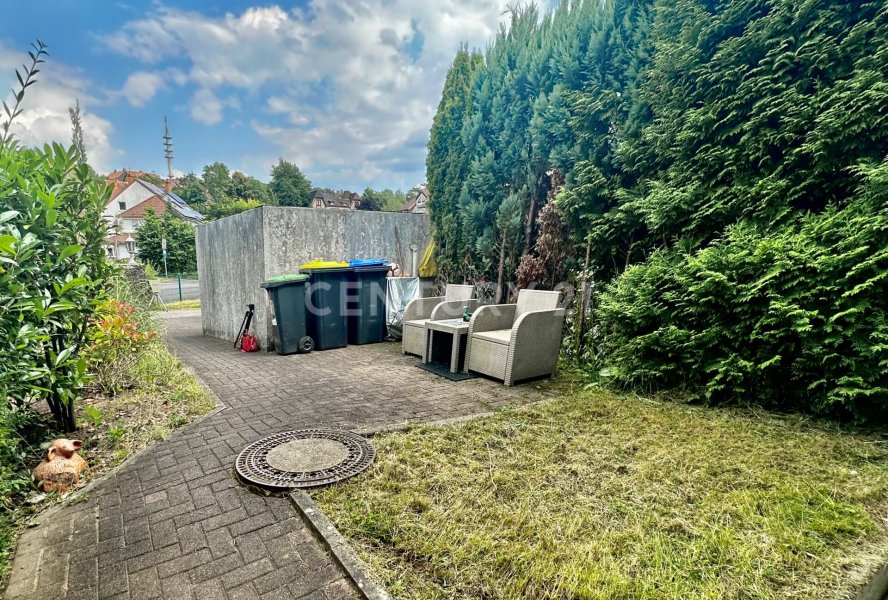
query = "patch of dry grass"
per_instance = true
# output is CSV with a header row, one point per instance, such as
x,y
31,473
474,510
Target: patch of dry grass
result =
x,y
602,496
164,396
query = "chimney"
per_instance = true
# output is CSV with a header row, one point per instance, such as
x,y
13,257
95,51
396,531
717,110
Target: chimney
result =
x,y
168,186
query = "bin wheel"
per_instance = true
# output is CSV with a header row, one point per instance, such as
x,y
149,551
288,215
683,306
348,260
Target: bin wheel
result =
x,y
306,344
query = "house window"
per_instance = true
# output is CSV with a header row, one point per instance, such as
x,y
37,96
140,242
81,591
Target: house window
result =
x,y
121,205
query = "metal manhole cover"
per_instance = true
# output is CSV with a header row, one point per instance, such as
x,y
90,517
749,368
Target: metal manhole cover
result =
x,y
304,458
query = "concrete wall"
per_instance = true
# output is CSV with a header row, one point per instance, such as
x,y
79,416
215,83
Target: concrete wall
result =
x,y
230,264
274,240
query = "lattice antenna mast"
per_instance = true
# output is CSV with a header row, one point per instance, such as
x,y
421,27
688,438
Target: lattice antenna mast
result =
x,y
168,150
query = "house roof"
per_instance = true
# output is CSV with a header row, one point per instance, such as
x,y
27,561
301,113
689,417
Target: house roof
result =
x,y
159,200
334,200
121,238
122,179
138,211
410,205
177,203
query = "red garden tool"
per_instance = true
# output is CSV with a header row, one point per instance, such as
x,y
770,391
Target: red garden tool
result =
x,y
248,342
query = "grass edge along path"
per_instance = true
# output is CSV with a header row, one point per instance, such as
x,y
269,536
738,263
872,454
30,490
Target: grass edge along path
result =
x,y
596,495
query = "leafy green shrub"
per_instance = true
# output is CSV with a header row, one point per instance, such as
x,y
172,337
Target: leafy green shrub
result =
x,y
52,269
230,207
116,342
795,318
93,415
15,477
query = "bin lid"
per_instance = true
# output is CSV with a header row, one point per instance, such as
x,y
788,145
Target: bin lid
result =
x,y
323,264
368,262
284,279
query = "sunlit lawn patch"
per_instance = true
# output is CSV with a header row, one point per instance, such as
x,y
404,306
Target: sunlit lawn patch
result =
x,y
601,496
182,305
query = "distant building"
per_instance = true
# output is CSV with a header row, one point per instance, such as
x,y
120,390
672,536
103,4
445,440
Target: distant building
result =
x,y
418,203
341,200
125,212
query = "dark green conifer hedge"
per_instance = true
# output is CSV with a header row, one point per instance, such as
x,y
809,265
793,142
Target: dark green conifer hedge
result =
x,y
725,161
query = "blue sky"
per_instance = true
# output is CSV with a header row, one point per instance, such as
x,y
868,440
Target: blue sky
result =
x,y
344,88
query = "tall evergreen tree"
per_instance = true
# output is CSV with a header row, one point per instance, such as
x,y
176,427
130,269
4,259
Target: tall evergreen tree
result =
x,y
288,186
684,129
445,165
77,132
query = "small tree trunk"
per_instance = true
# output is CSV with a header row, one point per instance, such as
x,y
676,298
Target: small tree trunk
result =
x,y
501,271
70,421
528,225
55,410
584,300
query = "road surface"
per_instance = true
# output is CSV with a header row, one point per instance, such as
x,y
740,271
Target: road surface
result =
x,y
169,290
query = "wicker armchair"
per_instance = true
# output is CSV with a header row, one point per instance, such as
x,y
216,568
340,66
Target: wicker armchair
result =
x,y
516,341
448,306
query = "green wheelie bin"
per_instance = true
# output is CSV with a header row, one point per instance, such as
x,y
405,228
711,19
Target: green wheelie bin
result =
x,y
326,320
366,301
288,300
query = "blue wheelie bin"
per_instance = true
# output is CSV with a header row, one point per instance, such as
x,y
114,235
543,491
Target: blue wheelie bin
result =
x,y
366,301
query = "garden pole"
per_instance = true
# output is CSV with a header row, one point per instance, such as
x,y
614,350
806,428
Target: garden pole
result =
x,y
163,247
179,276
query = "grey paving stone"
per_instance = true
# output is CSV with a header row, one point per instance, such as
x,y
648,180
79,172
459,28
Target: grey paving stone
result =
x,y
112,582
216,568
145,584
244,592
183,563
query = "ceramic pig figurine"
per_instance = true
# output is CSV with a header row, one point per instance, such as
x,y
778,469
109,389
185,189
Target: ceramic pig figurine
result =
x,y
62,467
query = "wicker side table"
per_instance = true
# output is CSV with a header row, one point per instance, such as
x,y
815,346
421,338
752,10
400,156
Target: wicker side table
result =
x,y
447,337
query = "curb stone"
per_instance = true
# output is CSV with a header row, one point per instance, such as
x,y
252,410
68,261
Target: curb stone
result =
x,y
877,588
342,551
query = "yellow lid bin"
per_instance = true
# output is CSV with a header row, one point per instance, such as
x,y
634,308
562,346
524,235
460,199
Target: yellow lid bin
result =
x,y
324,264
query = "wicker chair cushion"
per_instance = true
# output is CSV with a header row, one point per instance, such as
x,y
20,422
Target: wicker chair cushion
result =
x,y
458,292
499,336
416,323
529,300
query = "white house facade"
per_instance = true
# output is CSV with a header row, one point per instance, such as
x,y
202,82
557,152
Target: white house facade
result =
x,y
125,212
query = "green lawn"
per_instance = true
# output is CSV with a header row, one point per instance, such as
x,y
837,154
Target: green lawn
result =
x,y
602,496
181,305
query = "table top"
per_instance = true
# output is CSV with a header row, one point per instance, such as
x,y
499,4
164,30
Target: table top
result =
x,y
449,325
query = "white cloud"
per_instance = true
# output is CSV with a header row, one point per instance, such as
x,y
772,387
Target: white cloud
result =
x,y
206,108
141,86
344,74
45,115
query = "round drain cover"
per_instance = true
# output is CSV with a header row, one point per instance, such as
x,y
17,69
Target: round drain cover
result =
x,y
304,458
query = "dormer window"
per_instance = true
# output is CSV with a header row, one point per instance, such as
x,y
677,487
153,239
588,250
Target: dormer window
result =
x,y
121,205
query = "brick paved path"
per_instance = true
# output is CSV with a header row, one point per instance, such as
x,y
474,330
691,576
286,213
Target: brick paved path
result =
x,y
174,523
